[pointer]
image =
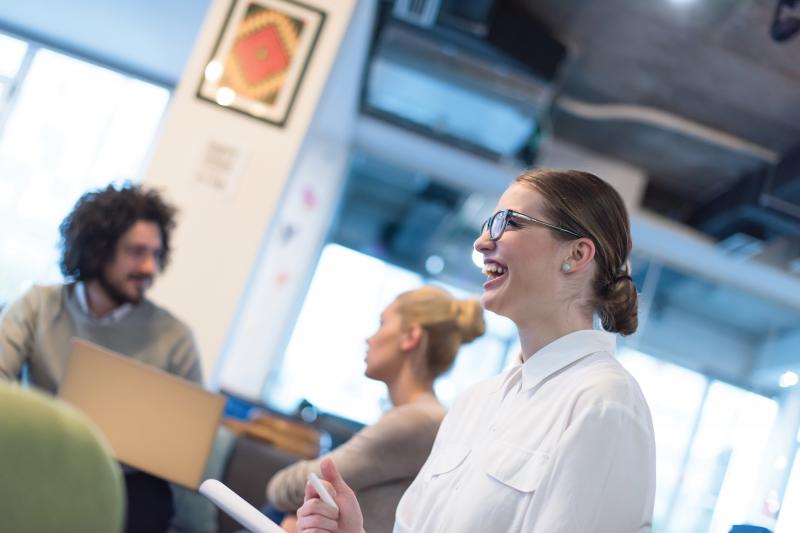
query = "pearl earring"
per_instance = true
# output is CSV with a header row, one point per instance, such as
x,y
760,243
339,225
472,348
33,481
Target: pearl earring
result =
x,y
565,267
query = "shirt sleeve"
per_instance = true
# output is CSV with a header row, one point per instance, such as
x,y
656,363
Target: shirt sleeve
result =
x,y
16,335
602,477
393,448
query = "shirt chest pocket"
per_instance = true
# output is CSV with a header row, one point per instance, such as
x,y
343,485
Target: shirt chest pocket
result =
x,y
517,468
446,462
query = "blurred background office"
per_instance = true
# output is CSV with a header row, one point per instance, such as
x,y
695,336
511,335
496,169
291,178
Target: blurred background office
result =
x,y
391,128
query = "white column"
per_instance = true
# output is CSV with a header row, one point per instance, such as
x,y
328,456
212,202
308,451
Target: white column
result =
x,y
259,336
227,172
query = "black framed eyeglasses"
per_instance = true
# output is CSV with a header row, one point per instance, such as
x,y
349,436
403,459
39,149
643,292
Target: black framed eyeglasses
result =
x,y
497,223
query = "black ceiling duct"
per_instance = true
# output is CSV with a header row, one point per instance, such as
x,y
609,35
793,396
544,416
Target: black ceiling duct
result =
x,y
513,34
515,31
765,205
470,16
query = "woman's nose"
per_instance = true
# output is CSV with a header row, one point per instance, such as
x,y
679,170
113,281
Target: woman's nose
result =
x,y
483,243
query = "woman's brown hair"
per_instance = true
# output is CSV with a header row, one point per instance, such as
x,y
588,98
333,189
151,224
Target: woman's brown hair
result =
x,y
585,204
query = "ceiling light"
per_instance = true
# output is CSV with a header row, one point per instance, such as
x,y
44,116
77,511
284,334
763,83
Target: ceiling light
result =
x,y
434,265
788,379
477,258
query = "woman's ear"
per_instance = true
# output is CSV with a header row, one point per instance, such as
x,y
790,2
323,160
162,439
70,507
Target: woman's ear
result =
x,y
411,338
581,252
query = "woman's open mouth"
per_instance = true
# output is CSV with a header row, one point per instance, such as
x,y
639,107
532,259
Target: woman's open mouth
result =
x,y
494,273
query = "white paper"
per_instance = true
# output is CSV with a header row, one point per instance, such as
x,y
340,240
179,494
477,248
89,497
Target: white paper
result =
x,y
241,511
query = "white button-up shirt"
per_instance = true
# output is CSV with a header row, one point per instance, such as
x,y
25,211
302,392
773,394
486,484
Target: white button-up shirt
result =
x,y
560,444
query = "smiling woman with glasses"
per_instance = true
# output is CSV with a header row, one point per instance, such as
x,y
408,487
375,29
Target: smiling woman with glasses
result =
x,y
563,441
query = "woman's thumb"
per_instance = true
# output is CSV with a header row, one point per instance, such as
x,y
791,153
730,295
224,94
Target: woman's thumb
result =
x,y
332,476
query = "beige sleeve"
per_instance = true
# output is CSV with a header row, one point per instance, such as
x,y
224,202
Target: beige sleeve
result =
x,y
16,335
393,448
185,358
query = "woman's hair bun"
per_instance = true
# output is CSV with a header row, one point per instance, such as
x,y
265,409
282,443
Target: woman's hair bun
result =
x,y
619,308
469,319
448,322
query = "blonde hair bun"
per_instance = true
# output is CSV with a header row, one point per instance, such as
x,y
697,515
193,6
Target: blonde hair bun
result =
x,y
469,319
448,322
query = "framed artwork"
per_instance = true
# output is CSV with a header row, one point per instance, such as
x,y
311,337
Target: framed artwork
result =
x,y
260,57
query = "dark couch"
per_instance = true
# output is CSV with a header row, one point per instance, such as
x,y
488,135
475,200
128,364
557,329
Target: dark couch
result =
x,y
250,466
246,463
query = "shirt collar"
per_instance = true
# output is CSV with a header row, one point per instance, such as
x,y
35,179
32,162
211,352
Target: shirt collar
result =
x,y
114,316
560,353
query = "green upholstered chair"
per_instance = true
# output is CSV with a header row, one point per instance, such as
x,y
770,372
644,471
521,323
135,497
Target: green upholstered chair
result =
x,y
56,473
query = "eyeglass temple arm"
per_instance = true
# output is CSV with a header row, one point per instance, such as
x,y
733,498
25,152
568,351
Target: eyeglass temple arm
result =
x,y
542,222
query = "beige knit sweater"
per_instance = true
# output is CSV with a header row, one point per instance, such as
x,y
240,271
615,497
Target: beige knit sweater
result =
x,y
379,463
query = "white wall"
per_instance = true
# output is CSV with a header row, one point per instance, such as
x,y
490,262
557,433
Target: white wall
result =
x,y
221,228
151,38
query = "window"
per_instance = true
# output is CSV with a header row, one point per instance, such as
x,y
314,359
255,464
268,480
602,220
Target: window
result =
x,y
12,52
710,439
324,361
737,425
674,417
789,517
71,126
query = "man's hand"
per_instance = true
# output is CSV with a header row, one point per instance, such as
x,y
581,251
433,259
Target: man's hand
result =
x,y
316,516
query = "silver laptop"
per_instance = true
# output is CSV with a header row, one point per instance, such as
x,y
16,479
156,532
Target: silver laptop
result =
x,y
154,421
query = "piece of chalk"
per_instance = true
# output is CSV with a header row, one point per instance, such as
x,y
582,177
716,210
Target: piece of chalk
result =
x,y
323,494
241,511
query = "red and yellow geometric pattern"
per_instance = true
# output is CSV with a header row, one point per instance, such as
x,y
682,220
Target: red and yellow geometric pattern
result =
x,y
258,63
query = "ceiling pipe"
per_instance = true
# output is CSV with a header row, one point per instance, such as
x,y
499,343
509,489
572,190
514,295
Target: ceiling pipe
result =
x,y
662,119
689,251
668,242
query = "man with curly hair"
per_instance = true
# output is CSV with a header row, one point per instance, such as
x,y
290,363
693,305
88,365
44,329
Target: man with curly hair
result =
x,y
113,244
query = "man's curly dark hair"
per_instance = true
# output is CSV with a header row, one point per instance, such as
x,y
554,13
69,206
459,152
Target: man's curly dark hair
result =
x,y
89,234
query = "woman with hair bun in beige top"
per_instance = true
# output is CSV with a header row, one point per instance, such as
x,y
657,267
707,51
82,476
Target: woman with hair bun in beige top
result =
x,y
419,336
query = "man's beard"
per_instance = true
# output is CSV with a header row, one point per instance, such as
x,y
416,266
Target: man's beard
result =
x,y
119,297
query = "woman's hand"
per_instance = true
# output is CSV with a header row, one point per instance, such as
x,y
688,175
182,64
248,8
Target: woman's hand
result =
x,y
316,516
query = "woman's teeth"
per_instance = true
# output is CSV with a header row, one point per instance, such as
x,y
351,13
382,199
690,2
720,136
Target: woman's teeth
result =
x,y
493,270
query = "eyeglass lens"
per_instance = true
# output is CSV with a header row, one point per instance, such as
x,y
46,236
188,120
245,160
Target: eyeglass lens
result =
x,y
497,224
